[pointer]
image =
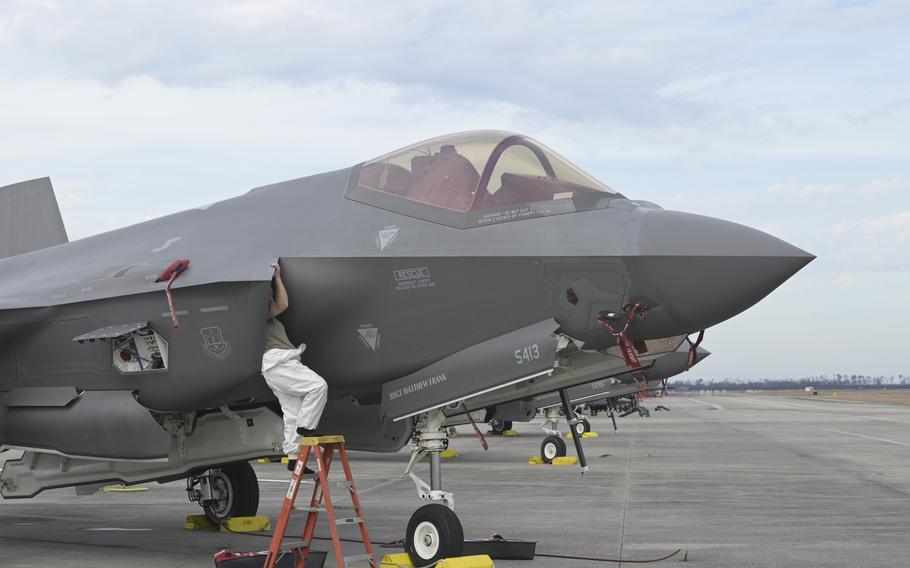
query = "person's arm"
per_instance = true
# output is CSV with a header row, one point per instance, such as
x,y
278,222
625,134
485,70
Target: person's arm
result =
x,y
280,302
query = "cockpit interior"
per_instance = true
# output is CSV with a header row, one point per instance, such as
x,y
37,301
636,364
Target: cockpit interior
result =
x,y
474,171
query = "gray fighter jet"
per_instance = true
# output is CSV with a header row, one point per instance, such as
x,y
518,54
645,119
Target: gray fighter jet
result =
x,y
464,272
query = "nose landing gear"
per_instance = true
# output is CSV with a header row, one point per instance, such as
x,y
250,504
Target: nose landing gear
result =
x,y
434,531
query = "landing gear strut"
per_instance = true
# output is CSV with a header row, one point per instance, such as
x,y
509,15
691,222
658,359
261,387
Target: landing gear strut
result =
x,y
567,409
227,491
434,531
553,446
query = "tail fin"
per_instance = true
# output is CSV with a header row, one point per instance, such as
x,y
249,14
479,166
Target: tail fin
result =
x,y
29,218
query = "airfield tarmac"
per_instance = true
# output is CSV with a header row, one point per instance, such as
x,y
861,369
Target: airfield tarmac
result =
x,y
733,480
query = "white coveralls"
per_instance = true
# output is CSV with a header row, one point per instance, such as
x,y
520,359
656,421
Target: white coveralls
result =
x,y
301,392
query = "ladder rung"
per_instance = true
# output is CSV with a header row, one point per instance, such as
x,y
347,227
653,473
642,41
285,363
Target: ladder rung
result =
x,y
335,482
348,521
322,509
358,558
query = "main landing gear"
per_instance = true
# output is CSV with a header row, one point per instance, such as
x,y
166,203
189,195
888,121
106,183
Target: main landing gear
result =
x,y
499,426
434,531
226,491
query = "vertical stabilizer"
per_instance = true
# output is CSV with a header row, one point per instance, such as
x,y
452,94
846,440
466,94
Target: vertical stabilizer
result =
x,y
29,218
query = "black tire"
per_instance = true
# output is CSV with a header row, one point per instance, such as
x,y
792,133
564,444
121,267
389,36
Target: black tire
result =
x,y
434,532
552,447
578,428
587,424
500,426
236,492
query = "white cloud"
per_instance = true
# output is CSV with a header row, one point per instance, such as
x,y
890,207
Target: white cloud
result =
x,y
874,187
807,190
879,244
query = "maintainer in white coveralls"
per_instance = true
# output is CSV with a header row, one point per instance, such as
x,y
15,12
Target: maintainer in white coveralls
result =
x,y
301,392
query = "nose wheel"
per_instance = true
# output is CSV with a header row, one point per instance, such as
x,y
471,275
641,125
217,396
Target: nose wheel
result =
x,y
552,447
434,532
581,427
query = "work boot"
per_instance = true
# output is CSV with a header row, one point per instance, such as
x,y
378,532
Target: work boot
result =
x,y
306,432
293,463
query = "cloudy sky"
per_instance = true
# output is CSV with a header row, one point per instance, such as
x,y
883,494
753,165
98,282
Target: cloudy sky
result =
x,y
792,117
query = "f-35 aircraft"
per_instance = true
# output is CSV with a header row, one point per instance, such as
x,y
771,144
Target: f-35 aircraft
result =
x,y
465,272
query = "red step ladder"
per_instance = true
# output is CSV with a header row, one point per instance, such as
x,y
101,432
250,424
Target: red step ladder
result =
x,y
324,448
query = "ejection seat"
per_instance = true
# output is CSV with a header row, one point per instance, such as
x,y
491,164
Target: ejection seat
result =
x,y
446,179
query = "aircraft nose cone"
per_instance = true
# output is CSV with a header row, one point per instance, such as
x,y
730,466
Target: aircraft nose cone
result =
x,y
674,363
700,271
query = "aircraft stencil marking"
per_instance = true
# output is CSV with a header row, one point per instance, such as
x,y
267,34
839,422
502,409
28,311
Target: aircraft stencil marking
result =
x,y
213,343
413,278
418,386
167,244
178,312
214,309
370,337
386,236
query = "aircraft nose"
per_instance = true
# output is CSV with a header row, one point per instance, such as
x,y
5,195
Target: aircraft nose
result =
x,y
698,271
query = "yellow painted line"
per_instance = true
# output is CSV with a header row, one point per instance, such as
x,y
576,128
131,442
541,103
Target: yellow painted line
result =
x,y
122,489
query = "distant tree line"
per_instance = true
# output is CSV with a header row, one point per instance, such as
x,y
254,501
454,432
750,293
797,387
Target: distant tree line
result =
x,y
837,381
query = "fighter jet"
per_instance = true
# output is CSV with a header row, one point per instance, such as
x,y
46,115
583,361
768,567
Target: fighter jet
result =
x,y
459,273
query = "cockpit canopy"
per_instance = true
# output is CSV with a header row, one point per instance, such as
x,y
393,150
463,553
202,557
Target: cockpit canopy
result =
x,y
477,178
475,171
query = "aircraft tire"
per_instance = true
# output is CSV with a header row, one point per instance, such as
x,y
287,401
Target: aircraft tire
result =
x,y
238,491
552,447
434,532
500,426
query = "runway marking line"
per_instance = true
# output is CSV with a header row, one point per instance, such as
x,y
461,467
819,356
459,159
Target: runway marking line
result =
x,y
886,440
717,406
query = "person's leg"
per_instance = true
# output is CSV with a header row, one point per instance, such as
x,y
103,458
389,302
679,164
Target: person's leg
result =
x,y
303,382
313,402
290,409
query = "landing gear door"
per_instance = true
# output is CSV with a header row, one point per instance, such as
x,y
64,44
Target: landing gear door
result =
x,y
493,364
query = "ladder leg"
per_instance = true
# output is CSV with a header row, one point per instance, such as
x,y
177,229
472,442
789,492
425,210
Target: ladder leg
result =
x,y
286,508
327,498
319,492
355,499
